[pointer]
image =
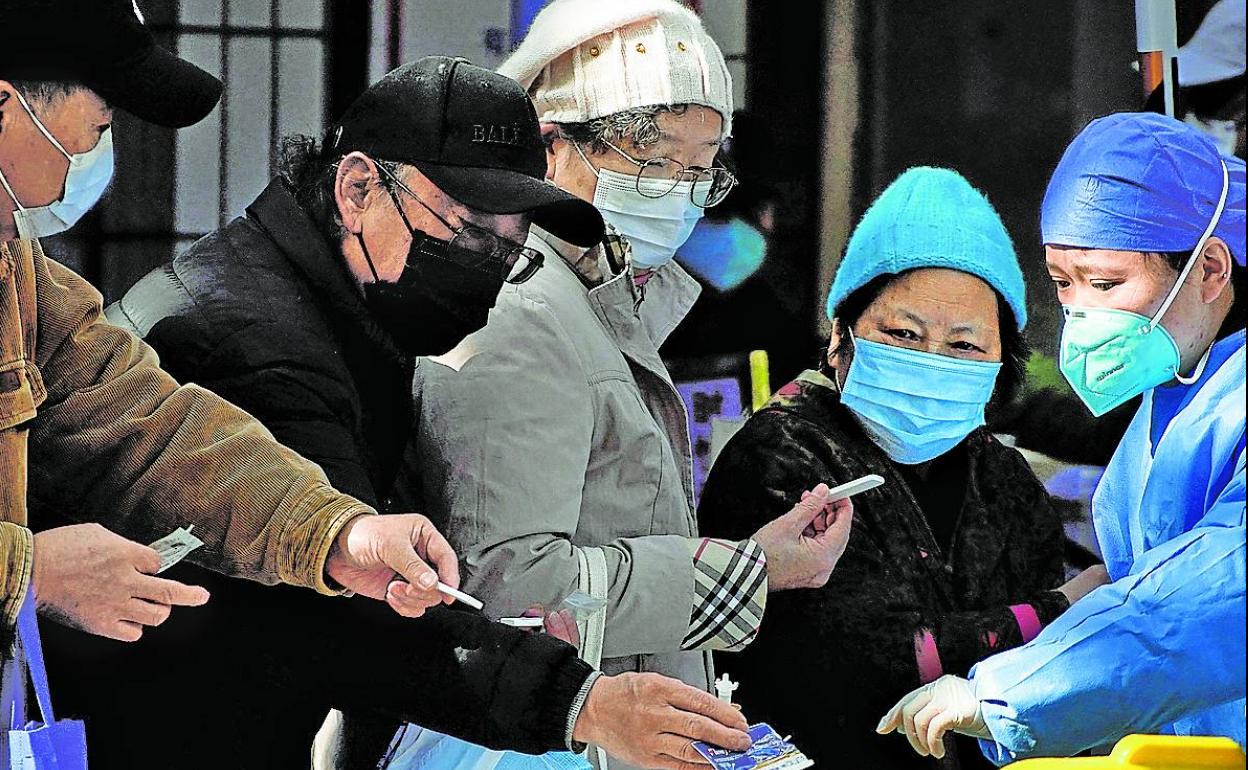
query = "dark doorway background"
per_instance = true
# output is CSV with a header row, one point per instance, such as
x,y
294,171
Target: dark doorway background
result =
x,y
133,229
992,88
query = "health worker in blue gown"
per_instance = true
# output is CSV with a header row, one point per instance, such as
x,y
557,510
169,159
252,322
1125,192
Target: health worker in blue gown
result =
x,y
1143,226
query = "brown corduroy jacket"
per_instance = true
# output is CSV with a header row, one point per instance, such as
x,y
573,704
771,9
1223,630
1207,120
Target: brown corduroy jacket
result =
x,y
92,426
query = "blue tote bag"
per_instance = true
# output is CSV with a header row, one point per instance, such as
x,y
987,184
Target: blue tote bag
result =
x,y
33,744
417,748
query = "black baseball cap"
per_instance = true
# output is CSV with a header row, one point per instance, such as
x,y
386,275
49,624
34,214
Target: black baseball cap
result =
x,y
474,133
106,46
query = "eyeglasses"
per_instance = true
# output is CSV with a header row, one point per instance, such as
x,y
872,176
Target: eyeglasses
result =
x,y
658,177
471,246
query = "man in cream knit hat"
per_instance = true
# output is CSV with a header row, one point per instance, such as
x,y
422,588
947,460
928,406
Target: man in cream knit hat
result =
x,y
552,445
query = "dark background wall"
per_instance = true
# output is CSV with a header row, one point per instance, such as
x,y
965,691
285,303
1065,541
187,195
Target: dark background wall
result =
x,y
996,89
993,88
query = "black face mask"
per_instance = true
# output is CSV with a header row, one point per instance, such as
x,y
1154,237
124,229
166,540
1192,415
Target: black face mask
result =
x,y
443,294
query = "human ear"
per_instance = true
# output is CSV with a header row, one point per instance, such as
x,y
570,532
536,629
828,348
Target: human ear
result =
x,y
1215,269
352,187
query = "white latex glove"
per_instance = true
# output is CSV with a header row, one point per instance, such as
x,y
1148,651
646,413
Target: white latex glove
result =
x,y
925,715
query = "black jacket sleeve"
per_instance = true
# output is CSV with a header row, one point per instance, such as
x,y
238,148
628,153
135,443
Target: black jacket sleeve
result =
x,y
866,631
272,371
453,671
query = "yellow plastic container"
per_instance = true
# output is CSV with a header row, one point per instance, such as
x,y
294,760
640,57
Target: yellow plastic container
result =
x,y
1153,752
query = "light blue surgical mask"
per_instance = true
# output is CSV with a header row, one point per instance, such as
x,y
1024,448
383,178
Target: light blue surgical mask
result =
x,y
724,254
85,182
1111,356
915,405
656,216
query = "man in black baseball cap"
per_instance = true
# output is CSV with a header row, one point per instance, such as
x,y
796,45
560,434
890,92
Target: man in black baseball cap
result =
x,y
91,425
96,431
387,239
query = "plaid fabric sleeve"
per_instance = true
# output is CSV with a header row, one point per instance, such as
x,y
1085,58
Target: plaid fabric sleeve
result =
x,y
730,583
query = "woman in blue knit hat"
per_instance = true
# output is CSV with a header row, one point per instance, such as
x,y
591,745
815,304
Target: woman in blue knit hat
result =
x,y
959,554
1143,226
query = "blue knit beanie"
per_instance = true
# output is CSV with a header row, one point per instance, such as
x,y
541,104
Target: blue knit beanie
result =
x,y
931,217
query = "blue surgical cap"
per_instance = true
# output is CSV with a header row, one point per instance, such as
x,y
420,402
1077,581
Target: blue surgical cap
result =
x,y
1142,182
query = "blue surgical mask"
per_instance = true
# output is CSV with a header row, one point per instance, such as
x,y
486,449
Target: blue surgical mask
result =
x,y
724,254
85,181
655,224
1111,356
655,227
915,405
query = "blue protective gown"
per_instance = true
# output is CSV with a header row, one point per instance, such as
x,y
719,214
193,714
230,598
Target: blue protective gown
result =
x,y
1161,648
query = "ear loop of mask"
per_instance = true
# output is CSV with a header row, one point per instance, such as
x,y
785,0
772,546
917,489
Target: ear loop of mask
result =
x,y
367,257
360,235
42,128
46,133
581,152
1187,269
853,343
8,189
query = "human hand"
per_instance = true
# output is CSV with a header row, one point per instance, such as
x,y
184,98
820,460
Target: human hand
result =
x,y
652,721
1082,584
925,715
388,558
88,578
804,545
560,624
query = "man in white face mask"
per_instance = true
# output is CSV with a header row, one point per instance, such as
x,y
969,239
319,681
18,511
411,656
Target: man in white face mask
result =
x,y
86,178
90,426
553,443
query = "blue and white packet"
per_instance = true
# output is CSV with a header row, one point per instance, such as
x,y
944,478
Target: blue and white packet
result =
x,y
768,752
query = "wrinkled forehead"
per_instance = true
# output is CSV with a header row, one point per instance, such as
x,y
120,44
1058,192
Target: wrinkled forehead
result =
x,y
940,297
692,124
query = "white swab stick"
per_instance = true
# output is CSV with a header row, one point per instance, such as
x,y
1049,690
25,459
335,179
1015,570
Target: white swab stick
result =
x,y
460,596
855,487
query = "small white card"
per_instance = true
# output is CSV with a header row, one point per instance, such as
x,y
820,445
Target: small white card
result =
x,y
175,546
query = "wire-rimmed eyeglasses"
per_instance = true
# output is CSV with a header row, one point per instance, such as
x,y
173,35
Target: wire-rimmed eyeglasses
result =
x,y
472,245
657,177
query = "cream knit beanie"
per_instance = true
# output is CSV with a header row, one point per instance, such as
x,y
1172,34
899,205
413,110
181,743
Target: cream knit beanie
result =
x,y
585,59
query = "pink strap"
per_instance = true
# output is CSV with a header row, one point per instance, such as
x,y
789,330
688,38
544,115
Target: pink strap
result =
x,y
928,656
1028,621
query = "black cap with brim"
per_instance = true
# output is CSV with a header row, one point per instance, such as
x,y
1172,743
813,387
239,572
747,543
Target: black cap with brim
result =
x,y
106,46
474,133
498,191
159,88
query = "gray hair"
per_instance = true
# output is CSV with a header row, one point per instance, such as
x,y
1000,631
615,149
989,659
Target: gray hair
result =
x,y
44,93
309,167
638,125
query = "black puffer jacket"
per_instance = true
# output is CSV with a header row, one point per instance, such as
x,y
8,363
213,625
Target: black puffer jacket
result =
x,y
264,313
904,604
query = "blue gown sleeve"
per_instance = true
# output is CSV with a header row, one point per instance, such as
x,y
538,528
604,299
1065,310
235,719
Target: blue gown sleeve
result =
x,y
1132,656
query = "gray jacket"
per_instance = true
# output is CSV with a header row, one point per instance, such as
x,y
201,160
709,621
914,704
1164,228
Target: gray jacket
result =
x,y
558,426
